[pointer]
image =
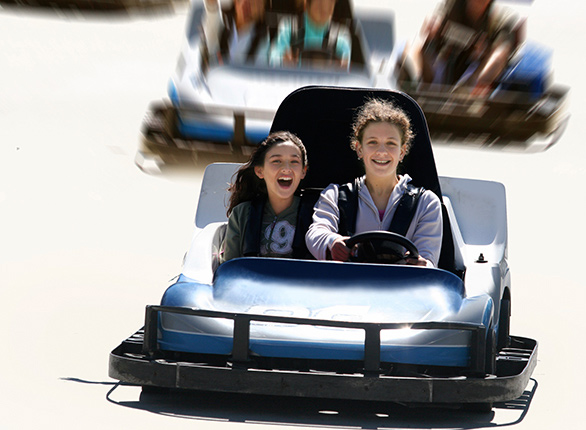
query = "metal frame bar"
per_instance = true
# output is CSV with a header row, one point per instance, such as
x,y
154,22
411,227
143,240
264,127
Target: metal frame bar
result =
x,y
372,342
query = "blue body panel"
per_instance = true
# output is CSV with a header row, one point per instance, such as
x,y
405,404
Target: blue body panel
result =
x,y
453,356
529,73
326,290
205,129
173,94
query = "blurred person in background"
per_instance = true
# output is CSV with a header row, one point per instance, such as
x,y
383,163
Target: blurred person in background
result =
x,y
312,35
464,44
237,34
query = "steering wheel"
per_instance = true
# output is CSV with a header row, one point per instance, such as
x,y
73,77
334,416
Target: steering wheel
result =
x,y
381,247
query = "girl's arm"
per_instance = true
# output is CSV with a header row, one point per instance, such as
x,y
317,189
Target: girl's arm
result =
x,y
235,233
426,230
324,229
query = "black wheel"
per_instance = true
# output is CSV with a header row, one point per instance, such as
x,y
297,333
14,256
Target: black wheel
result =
x,y
491,351
504,339
381,247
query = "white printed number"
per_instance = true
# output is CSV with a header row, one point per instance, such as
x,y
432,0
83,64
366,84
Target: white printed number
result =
x,y
280,237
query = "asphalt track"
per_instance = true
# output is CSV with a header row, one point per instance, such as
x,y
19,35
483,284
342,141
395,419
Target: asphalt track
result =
x,y
87,239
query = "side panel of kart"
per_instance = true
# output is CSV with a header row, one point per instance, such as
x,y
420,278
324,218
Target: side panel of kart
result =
x,y
479,213
478,216
213,197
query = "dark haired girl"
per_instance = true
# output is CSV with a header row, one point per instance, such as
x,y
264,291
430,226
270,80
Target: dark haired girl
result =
x,y
270,178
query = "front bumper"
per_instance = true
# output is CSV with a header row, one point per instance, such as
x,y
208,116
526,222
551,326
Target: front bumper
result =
x,y
505,119
139,361
206,130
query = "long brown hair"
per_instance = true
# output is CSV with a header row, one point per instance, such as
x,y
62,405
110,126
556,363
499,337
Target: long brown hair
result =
x,y
247,185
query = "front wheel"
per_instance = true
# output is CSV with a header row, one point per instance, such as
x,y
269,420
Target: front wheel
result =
x,y
490,353
504,339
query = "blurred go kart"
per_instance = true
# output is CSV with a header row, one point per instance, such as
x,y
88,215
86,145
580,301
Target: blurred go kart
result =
x,y
222,109
357,330
87,6
521,109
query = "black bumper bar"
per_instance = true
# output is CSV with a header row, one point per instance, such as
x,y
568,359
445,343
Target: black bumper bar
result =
x,y
137,361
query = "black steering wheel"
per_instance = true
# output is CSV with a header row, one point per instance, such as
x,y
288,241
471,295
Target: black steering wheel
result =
x,y
381,247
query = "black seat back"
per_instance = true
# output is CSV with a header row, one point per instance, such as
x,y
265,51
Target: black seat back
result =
x,y
322,118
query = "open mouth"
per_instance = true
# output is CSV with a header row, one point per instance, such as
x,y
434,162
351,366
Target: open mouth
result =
x,y
285,182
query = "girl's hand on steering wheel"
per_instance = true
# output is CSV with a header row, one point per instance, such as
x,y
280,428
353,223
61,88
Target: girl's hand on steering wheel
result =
x,y
339,250
419,261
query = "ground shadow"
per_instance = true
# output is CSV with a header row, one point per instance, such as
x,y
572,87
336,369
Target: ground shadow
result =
x,y
288,411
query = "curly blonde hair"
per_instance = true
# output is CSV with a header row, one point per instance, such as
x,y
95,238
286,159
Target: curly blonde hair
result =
x,y
378,110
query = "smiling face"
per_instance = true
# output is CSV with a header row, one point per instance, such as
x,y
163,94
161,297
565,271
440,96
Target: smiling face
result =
x,y
382,149
282,170
320,11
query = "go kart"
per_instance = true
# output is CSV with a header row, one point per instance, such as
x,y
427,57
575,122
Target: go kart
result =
x,y
365,329
220,110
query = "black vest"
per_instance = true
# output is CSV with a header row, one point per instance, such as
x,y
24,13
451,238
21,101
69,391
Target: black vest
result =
x,y
254,226
348,206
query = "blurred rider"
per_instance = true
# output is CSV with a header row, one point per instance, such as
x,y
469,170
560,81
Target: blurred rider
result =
x,y
466,43
313,30
238,33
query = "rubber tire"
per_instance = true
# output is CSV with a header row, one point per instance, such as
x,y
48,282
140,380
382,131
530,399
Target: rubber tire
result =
x,y
490,369
504,339
491,352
